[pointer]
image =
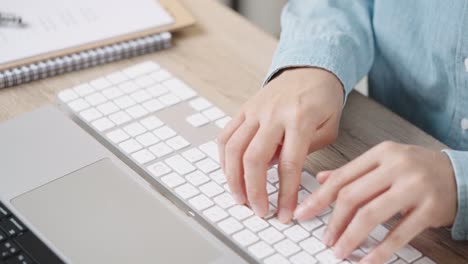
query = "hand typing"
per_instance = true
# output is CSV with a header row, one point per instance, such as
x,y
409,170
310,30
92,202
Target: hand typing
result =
x,y
296,113
389,179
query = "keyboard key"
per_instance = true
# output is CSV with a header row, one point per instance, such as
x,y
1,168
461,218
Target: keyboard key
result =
x,y
278,225
379,233
140,96
230,225
164,132
218,176
67,95
90,114
311,224
211,149
103,124
20,259
134,129
261,250
213,113
169,99
112,93
270,188
107,108
179,164
3,236
157,90
7,249
245,237
128,87
409,253
312,245
200,104
179,88
215,214
100,84
255,223
186,191
160,75
197,120
177,143
117,77
120,118
172,180
158,169
296,233
161,149
78,105
369,244
193,155
124,102
318,233
140,69
130,146
356,256
153,105
197,178
276,259
211,189
325,218
9,227
137,111
240,212
303,258
95,99
207,165
224,200
327,256
287,247
83,89
147,139
201,202
144,81
143,156
151,122
221,123
117,136
272,175
271,235
302,195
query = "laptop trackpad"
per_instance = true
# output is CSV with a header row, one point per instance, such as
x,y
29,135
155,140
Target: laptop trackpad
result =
x,y
98,214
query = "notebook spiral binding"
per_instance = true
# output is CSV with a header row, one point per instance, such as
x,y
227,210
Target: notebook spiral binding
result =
x,y
84,59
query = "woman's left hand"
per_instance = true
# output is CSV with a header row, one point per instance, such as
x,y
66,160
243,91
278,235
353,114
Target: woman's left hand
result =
x,y
389,179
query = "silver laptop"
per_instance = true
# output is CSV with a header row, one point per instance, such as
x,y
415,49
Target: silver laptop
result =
x,y
125,170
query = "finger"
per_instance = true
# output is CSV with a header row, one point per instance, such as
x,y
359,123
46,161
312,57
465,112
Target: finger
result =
x,y
351,198
234,152
367,218
256,159
322,176
408,228
290,165
327,193
226,134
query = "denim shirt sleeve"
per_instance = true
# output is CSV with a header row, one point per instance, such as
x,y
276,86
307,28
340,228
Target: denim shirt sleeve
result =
x,y
459,161
334,35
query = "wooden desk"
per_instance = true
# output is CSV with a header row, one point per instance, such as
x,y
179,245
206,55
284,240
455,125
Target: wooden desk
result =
x,y
226,58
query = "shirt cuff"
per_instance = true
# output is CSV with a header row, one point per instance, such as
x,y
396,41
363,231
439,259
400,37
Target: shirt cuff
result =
x,y
459,161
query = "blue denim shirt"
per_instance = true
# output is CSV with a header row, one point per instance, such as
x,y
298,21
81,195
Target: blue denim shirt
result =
x,y
414,52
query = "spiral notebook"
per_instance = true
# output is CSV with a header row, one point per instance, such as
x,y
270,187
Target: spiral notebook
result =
x,y
66,35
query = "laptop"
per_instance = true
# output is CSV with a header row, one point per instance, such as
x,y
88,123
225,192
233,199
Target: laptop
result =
x,y
124,169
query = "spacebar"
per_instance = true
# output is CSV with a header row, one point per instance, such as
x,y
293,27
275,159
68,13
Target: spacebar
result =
x,y
36,249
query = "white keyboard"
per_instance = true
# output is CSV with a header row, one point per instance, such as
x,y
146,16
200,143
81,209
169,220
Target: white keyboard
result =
x,y
163,127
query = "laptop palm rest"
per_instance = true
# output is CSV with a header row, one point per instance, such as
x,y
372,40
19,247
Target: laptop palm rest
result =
x,y
98,214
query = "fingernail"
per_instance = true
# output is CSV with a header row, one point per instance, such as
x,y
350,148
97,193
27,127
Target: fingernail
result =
x,y
299,212
239,198
284,215
257,210
339,251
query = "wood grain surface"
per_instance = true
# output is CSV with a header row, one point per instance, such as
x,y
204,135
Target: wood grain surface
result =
x,y
225,58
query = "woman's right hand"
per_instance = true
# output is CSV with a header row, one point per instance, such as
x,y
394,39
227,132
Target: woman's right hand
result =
x,y
294,114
